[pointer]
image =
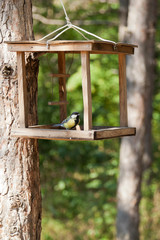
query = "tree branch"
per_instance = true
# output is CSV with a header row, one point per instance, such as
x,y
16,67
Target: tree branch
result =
x,y
44,20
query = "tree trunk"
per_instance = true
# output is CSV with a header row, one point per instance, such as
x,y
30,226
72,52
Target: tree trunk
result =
x,y
20,199
123,17
135,152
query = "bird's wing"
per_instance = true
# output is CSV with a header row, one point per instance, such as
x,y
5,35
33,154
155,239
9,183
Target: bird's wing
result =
x,y
65,120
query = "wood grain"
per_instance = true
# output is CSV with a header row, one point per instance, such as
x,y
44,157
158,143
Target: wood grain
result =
x,y
53,134
22,90
43,132
123,91
114,132
51,48
72,46
86,88
63,75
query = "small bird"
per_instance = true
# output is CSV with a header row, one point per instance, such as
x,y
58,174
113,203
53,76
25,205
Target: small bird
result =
x,y
69,123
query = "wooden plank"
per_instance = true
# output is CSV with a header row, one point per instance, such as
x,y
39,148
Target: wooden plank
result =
x,y
62,75
22,90
123,91
52,134
86,87
57,42
46,126
69,48
57,103
50,126
114,132
51,48
44,132
112,48
72,46
124,49
62,85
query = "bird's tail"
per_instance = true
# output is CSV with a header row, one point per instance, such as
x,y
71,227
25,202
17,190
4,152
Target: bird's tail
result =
x,y
57,125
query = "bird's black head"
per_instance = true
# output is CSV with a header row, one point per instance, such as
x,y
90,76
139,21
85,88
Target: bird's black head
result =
x,y
75,115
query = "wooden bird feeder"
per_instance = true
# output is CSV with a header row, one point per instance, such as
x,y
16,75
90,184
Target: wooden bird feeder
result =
x,y
84,48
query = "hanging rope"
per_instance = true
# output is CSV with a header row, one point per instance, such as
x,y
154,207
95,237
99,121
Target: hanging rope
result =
x,y
68,26
66,16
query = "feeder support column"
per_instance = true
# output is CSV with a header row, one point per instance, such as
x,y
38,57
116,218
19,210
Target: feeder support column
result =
x,y
86,87
123,91
22,90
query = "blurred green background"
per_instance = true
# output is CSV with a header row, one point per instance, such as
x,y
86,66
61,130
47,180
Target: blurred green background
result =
x,y
79,179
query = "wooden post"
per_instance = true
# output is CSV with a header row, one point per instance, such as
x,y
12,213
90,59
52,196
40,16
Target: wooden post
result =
x,y
22,90
86,87
123,91
62,85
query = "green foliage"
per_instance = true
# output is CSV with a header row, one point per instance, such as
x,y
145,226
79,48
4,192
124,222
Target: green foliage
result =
x,y
81,189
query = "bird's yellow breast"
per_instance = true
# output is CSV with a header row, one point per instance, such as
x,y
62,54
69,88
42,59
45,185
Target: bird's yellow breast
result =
x,y
69,124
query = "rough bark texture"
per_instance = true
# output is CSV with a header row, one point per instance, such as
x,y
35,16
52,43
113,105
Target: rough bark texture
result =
x,y
135,152
20,199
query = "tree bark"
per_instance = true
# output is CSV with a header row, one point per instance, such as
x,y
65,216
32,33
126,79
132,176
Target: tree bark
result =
x,y
135,152
20,198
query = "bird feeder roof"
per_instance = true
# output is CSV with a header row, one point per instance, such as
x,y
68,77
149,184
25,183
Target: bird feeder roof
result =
x,y
92,46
